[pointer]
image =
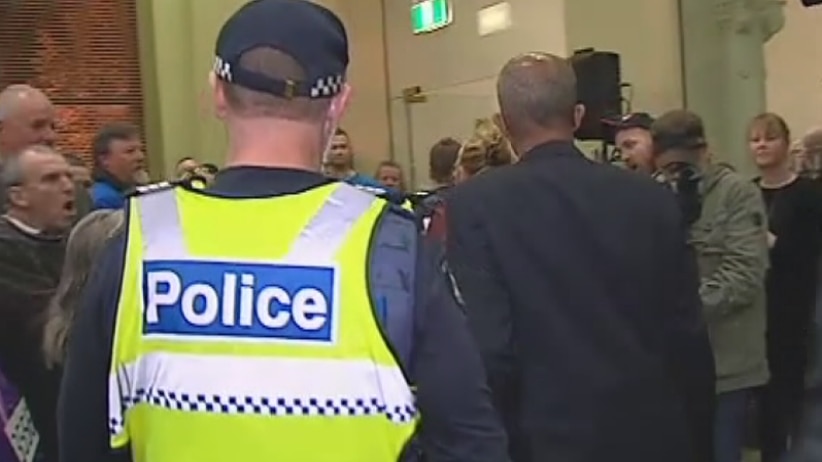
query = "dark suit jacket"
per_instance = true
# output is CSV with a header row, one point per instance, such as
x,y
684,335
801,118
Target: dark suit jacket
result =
x,y
582,294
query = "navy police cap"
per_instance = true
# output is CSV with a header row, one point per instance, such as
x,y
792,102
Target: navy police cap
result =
x,y
309,33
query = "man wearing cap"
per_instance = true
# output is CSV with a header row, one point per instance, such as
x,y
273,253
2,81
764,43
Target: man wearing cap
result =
x,y
632,137
730,240
291,328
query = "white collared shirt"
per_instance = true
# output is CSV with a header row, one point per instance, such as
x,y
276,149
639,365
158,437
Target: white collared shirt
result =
x,y
22,226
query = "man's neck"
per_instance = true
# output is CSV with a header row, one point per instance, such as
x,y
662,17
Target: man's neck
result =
x,y
343,173
776,177
525,144
257,143
23,222
106,176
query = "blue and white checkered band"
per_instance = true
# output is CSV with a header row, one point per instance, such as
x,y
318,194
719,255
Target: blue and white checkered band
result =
x,y
222,69
326,87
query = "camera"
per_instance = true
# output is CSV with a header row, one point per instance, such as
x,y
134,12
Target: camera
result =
x,y
683,179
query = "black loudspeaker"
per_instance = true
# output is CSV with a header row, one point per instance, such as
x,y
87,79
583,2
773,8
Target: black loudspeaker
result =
x,y
598,88
811,2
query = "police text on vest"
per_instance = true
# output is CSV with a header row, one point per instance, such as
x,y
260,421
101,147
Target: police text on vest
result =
x,y
259,301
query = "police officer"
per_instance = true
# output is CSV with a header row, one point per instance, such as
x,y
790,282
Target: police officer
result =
x,y
276,315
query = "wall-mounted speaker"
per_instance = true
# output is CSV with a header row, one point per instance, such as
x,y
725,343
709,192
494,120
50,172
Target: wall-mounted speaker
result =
x,y
598,88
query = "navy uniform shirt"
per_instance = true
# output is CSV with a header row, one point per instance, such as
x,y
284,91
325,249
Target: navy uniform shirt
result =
x,y
452,396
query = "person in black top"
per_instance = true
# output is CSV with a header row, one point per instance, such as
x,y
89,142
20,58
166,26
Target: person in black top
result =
x,y
279,120
794,208
581,291
429,204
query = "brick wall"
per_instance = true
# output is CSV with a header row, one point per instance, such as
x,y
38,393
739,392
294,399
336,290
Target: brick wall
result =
x,y
82,53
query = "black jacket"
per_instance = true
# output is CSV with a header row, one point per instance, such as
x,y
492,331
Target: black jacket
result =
x,y
583,298
808,444
30,268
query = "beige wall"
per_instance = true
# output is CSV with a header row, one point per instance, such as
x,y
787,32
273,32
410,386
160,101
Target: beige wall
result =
x,y
645,34
794,66
177,50
366,120
457,68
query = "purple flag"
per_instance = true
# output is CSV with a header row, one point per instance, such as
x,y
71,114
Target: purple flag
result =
x,y
18,440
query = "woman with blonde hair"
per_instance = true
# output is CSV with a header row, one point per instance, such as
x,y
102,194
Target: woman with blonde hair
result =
x,y
486,148
86,241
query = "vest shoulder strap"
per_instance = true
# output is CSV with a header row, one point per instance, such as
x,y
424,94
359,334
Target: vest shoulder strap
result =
x,y
151,188
392,268
370,189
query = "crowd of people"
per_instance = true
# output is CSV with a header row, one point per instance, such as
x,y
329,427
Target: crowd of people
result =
x,y
531,304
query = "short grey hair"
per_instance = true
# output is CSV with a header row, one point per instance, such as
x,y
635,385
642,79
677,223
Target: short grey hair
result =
x,y
812,142
11,172
536,88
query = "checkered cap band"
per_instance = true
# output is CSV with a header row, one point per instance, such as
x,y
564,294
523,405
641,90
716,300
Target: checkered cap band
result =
x,y
327,86
323,87
257,405
311,34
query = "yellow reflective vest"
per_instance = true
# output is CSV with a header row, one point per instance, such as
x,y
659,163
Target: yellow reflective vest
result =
x,y
245,332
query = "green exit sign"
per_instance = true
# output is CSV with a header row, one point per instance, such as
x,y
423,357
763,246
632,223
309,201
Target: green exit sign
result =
x,y
430,15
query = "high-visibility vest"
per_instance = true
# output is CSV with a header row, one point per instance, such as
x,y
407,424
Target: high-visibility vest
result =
x,y
245,331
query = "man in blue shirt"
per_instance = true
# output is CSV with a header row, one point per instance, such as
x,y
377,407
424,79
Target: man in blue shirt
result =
x,y
339,164
118,161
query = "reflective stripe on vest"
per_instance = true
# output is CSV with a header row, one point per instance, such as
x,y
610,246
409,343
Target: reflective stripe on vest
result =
x,y
169,382
320,239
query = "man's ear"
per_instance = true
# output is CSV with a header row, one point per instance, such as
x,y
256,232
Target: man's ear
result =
x,y
340,103
218,100
16,196
579,113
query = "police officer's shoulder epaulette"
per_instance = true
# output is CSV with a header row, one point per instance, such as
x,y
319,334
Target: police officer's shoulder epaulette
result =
x,y
195,182
401,210
370,189
151,188
391,197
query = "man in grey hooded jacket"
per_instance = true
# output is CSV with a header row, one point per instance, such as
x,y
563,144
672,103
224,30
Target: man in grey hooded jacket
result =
x,y
729,236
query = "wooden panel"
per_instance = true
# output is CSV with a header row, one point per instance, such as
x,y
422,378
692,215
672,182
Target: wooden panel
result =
x,y
83,54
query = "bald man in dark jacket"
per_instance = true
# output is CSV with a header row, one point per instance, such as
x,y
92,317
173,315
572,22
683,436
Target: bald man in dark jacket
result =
x,y
581,291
